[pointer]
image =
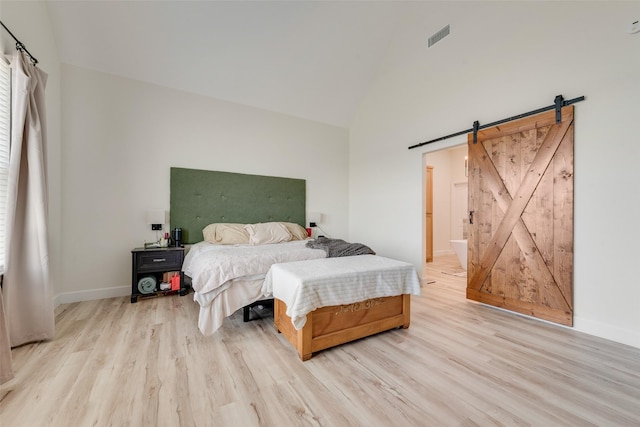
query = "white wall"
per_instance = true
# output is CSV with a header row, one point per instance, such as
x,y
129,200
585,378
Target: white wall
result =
x,y
29,22
122,136
502,59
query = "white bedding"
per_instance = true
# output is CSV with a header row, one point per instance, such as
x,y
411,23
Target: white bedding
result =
x,y
211,266
236,294
306,285
225,278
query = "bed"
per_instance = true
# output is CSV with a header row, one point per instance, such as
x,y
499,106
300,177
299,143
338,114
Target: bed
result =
x,y
209,203
228,272
226,278
326,302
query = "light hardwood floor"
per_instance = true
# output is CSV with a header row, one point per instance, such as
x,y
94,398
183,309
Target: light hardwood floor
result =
x,y
460,363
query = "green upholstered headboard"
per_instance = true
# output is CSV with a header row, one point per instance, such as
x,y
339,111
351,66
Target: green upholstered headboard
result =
x,y
199,198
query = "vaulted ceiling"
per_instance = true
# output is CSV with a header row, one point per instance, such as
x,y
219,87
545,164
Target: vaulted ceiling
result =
x,y
308,59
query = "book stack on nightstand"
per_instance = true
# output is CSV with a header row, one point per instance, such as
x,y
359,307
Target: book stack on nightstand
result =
x,y
153,267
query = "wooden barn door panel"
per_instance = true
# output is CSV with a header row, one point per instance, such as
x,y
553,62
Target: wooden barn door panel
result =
x,y
521,205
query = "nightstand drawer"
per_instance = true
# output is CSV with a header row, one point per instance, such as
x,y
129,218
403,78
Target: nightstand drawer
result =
x,y
159,260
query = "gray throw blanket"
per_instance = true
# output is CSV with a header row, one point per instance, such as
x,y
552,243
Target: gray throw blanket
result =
x,y
338,247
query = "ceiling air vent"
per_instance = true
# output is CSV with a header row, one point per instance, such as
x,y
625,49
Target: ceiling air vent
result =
x,y
439,36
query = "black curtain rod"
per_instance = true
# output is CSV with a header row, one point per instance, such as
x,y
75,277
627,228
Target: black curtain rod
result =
x,y
559,102
19,45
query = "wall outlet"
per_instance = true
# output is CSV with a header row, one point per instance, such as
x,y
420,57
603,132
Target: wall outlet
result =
x,y
634,27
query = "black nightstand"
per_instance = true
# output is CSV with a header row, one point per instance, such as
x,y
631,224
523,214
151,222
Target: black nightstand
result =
x,y
153,263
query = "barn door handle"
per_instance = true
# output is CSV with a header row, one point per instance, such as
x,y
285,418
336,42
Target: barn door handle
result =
x,y
471,217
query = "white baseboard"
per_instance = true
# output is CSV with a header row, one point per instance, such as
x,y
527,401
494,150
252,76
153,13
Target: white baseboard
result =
x,y
604,330
90,295
590,327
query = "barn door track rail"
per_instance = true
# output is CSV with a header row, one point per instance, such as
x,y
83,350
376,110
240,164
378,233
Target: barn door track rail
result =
x,y
557,105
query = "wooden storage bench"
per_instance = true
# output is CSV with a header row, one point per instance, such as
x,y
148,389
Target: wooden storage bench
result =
x,y
343,299
338,324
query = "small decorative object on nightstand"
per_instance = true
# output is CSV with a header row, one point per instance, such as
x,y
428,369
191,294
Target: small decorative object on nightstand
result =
x,y
151,267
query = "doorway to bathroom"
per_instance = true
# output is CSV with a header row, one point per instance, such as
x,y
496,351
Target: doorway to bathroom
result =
x,y
445,205
519,242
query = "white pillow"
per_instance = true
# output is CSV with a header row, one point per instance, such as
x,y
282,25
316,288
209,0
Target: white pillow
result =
x,y
297,231
226,234
267,232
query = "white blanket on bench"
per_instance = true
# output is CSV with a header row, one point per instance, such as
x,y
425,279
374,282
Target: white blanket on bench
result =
x,y
307,285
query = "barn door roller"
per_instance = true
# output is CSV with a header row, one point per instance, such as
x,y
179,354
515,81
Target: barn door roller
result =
x,y
558,103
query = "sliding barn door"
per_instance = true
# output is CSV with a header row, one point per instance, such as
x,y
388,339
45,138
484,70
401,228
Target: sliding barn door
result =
x,y
521,209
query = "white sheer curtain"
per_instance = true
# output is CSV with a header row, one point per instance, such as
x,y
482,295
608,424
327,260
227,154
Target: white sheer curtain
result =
x,y
27,289
6,369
